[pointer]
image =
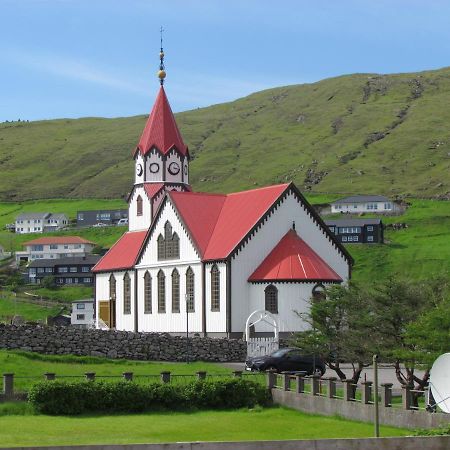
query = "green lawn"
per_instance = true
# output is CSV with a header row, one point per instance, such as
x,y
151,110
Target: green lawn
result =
x,y
29,311
257,424
34,365
62,294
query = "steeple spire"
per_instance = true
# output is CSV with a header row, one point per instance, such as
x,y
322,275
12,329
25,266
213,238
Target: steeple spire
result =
x,y
161,72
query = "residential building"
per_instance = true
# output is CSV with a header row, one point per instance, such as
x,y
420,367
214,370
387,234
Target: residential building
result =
x,y
82,313
357,204
40,222
54,248
194,262
357,231
106,216
66,271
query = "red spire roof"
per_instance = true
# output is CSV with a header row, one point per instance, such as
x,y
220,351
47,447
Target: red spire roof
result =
x,y
292,259
161,130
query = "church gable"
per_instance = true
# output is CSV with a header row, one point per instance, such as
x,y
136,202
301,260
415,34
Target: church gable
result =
x,y
168,241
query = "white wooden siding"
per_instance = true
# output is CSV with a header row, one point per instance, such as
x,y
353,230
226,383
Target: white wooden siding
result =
x,y
216,321
139,160
174,157
136,222
154,157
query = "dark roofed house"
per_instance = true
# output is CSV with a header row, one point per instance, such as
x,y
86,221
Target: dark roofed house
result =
x,y
357,204
66,271
359,231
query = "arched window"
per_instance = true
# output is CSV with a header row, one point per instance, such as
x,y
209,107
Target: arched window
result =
x,y
112,287
139,205
271,299
161,248
169,245
174,247
215,288
147,293
126,294
190,304
161,292
319,292
175,291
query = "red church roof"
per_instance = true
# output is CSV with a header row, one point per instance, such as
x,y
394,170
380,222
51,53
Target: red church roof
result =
x,y
161,130
123,254
151,189
58,240
292,259
218,223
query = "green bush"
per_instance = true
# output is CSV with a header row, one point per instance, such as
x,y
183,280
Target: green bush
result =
x,y
65,398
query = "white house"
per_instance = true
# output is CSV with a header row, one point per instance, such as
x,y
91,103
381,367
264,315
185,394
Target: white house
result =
x,y
82,315
54,248
40,222
201,262
356,204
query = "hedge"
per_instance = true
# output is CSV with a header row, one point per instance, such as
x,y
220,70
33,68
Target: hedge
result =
x,y
69,398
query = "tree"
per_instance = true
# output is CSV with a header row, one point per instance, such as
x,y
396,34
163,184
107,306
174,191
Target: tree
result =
x,y
48,282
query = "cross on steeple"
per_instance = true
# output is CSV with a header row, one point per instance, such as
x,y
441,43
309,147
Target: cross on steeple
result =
x,y
161,72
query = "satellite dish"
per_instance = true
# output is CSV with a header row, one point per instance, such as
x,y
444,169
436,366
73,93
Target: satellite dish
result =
x,y
440,382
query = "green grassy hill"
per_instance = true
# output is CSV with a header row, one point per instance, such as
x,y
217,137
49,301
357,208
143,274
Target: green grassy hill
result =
x,y
361,133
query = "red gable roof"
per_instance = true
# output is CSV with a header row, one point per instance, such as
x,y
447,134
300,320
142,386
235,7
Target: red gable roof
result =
x,y
219,222
151,189
292,259
58,240
123,254
161,130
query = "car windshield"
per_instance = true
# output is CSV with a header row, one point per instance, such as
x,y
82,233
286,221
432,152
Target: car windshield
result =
x,y
278,353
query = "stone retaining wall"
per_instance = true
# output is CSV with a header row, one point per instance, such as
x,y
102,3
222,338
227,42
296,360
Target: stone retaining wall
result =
x,y
119,344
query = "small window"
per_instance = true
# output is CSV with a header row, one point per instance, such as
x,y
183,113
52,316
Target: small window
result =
x,y
63,269
190,293
215,288
271,299
40,270
344,238
73,269
80,316
369,228
81,306
112,287
175,291
126,294
147,293
161,292
85,269
369,238
87,280
139,206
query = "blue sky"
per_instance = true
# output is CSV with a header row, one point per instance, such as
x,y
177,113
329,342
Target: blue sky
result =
x,y
75,58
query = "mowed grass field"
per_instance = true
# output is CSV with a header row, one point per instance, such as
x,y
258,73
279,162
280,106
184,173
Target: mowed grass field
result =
x,y
241,425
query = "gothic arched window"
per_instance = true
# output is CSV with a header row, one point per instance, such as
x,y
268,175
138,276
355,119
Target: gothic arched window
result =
x,y
271,299
161,292
169,245
112,287
319,292
161,247
215,288
139,206
175,291
126,294
147,293
190,294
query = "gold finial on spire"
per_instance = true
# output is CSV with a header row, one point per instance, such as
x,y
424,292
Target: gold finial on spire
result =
x,y
161,72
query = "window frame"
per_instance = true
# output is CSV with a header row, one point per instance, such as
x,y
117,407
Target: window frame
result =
x,y
215,288
272,308
127,293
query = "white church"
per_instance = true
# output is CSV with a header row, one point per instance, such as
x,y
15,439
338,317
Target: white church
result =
x,y
203,263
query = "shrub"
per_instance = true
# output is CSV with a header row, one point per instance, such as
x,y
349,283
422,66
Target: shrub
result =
x,y
69,398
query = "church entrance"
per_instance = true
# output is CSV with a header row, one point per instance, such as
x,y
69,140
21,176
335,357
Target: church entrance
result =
x,y
261,346
107,314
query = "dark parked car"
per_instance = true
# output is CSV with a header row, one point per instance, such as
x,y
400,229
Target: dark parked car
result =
x,y
287,360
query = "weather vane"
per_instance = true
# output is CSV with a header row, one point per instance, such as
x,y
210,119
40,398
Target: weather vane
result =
x,y
161,72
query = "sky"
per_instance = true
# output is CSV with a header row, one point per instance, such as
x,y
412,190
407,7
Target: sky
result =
x,y
78,58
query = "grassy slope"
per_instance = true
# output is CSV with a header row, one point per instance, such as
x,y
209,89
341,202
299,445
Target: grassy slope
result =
x,y
267,424
322,129
29,311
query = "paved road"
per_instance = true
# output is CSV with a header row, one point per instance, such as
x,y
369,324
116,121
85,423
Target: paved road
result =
x,y
386,374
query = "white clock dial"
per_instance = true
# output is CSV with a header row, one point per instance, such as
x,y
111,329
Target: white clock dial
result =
x,y
139,170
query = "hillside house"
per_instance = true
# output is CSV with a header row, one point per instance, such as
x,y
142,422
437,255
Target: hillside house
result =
x,y
357,231
40,222
106,216
203,263
65,271
54,248
357,204
83,314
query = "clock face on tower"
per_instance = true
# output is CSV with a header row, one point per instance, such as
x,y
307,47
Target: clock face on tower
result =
x,y
139,170
174,168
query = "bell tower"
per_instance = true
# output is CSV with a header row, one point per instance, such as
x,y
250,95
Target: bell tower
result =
x,y
161,159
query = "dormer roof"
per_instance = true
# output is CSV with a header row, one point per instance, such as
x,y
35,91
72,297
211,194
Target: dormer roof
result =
x,y
161,130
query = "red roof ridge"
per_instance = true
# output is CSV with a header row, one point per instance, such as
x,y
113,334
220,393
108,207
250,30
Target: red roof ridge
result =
x,y
263,188
217,194
58,239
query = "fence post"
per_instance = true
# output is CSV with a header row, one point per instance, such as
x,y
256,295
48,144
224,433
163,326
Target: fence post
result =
x,y
90,376
201,375
8,386
237,374
366,392
315,385
271,379
128,376
386,395
332,387
300,384
49,376
165,377
286,381
406,397
348,390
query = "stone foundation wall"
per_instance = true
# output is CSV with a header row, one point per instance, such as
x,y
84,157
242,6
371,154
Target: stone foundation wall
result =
x,y
119,344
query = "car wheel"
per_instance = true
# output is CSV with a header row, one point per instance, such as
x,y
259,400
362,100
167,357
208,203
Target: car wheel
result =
x,y
318,372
